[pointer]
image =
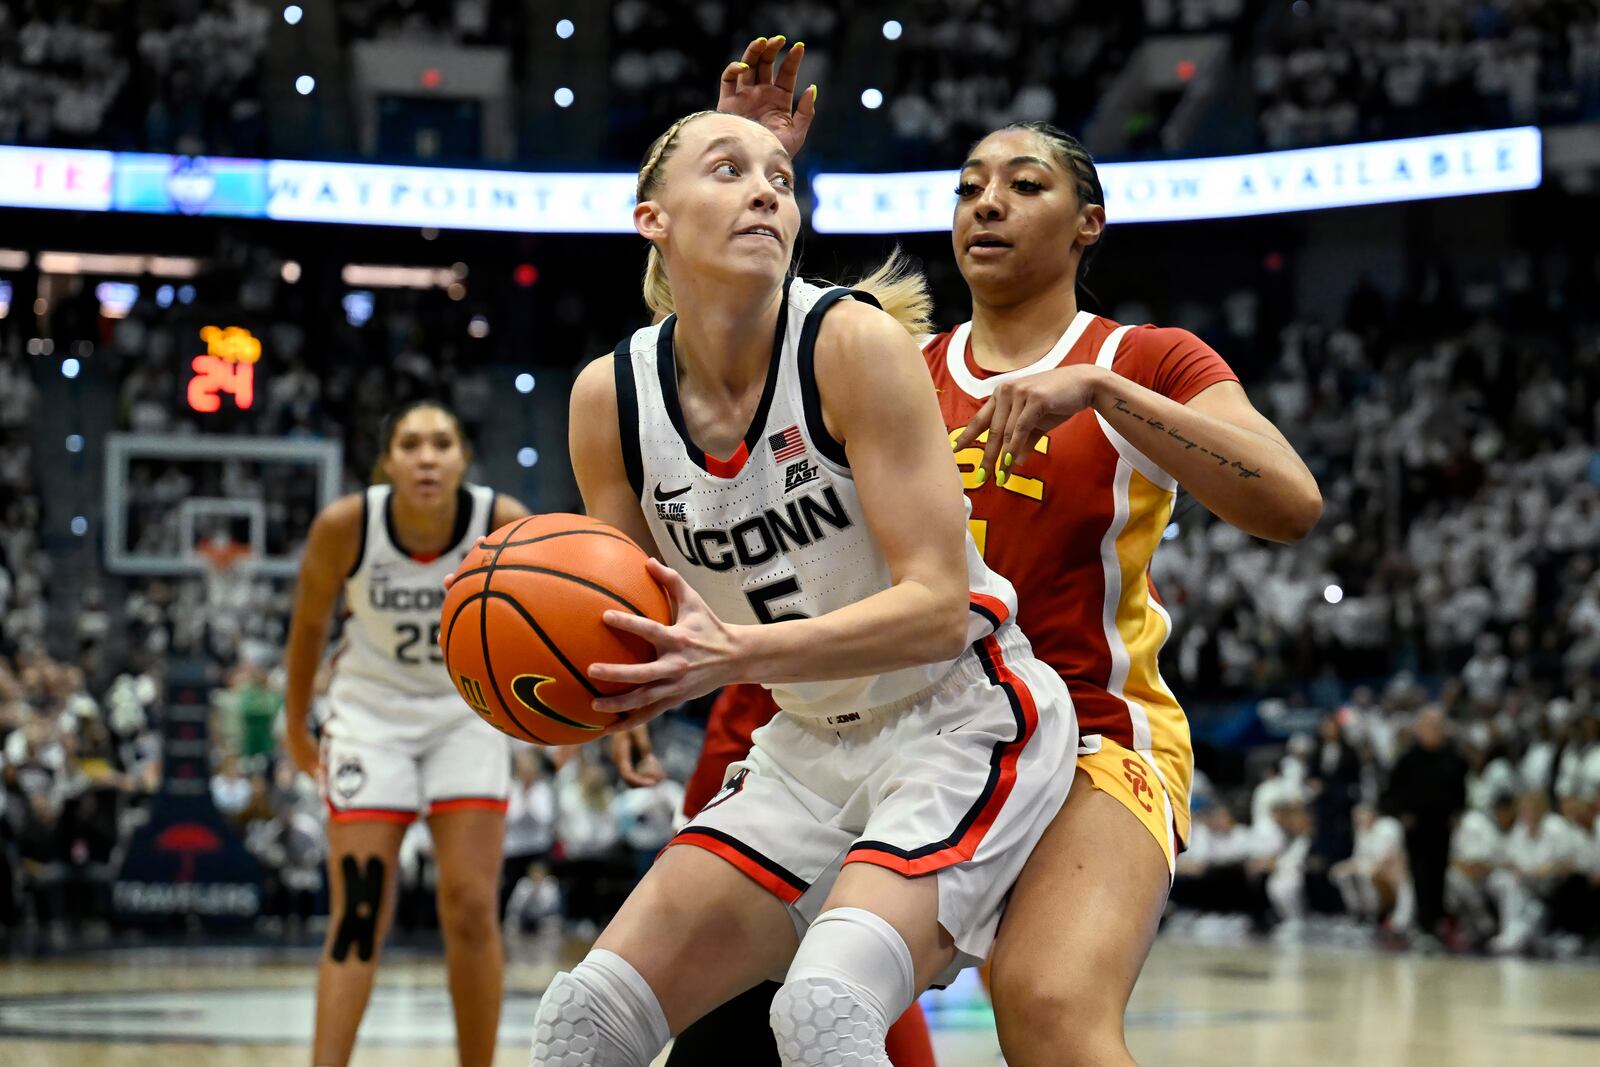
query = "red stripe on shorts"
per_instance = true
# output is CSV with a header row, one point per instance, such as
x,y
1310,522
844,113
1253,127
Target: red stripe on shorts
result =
x,y
465,803
970,832
760,870
370,814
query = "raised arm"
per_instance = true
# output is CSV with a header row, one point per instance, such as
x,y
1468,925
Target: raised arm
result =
x,y
1222,450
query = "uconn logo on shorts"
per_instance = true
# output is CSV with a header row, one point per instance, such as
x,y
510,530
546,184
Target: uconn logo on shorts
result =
x,y
349,776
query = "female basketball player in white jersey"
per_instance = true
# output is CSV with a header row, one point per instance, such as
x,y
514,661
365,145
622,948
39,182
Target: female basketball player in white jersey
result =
x,y
779,444
1073,434
399,741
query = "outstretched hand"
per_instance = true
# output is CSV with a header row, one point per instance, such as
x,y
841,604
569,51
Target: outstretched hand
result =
x,y
760,88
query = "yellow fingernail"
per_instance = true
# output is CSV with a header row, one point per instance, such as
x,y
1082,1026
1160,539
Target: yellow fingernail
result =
x,y
761,40
777,37
813,94
1000,477
744,66
799,44
983,476
1006,461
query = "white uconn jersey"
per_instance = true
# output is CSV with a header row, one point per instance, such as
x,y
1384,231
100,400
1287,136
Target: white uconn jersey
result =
x,y
777,531
391,646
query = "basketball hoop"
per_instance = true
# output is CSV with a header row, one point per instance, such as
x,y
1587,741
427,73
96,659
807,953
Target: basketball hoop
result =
x,y
221,553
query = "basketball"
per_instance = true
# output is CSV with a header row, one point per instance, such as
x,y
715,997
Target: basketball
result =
x,y
523,622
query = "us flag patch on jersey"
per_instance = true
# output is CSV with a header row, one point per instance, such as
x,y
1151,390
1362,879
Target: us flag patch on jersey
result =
x,y
787,445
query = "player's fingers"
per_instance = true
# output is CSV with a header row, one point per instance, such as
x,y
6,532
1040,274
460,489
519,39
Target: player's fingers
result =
x,y
645,769
997,424
622,755
769,58
753,56
752,51
679,590
1022,421
980,422
655,670
789,70
639,625
645,696
802,118
728,89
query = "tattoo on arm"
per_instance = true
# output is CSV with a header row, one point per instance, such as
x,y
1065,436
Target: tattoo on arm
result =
x,y
1189,443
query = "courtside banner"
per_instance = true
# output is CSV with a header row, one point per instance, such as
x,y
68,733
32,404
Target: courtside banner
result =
x,y
1310,179
449,199
74,179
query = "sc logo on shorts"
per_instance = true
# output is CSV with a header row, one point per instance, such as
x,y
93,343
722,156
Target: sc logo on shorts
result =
x,y
349,776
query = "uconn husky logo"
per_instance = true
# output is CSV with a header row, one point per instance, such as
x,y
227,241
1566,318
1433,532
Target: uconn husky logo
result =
x,y
802,521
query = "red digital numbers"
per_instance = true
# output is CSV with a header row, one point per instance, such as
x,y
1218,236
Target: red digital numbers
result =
x,y
227,367
214,376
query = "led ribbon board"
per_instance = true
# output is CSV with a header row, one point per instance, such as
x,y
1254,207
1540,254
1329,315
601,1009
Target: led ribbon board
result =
x,y
1308,179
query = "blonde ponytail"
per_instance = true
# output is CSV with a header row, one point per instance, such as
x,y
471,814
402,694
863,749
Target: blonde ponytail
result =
x,y
902,291
657,288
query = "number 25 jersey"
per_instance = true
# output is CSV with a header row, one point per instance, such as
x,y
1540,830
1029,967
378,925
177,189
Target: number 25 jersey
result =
x,y
776,531
389,675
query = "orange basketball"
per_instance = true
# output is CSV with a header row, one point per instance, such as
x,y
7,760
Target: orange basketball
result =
x,y
522,624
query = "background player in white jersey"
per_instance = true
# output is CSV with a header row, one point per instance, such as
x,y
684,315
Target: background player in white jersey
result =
x,y
398,739
921,749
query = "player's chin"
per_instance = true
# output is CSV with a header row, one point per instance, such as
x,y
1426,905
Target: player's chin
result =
x,y
760,253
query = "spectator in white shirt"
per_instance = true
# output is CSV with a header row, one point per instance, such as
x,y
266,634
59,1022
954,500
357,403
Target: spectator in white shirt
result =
x,y
230,788
592,879
1478,849
645,817
1543,849
1375,881
530,819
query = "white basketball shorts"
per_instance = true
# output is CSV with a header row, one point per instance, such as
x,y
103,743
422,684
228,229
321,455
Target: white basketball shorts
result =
x,y
465,764
959,782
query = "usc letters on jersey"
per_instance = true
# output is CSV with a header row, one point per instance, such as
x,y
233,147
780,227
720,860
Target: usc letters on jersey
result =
x,y
1081,566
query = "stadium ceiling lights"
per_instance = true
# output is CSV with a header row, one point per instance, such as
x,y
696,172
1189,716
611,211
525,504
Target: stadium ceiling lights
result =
x,y
375,276
93,263
1308,179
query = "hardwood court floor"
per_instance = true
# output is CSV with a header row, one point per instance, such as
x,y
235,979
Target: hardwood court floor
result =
x,y
1197,1004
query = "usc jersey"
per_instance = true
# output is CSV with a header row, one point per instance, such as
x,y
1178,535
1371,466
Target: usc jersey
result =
x,y
1074,529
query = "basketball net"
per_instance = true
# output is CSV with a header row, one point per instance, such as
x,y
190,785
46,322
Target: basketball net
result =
x,y
227,583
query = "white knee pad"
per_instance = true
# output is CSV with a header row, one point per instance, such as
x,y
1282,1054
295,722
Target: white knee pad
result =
x,y
599,1014
851,977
